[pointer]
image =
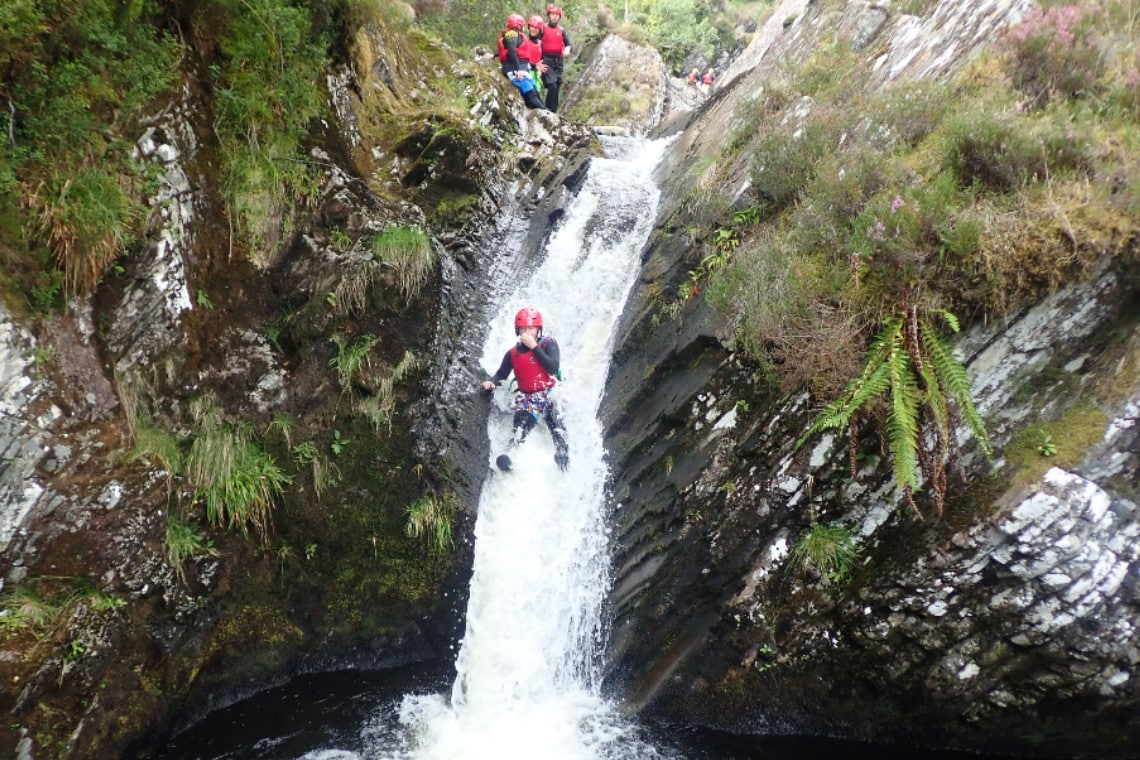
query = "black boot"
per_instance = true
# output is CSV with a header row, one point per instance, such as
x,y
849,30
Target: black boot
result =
x,y
533,100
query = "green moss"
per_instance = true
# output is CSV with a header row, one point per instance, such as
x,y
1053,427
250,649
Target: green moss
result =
x,y
1070,436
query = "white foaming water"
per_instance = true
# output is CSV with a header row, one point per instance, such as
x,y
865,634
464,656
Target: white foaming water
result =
x,y
529,666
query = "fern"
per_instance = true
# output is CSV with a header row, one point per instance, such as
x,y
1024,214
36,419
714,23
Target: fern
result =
x,y
921,375
954,379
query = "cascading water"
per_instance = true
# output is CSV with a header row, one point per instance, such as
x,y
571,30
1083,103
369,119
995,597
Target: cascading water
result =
x,y
529,666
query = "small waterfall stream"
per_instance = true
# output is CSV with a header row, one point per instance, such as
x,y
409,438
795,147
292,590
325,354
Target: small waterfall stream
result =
x,y
529,666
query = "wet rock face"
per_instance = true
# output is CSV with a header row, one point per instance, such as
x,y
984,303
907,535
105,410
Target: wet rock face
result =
x,y
990,629
21,440
146,324
635,75
1007,625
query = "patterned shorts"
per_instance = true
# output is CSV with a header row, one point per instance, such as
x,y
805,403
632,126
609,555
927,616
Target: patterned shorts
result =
x,y
535,403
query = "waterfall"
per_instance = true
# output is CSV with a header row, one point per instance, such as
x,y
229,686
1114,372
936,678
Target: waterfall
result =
x,y
529,667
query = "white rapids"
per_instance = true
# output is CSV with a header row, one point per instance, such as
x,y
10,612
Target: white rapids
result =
x,y
529,667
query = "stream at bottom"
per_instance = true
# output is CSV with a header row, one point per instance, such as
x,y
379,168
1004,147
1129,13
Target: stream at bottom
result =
x,y
354,715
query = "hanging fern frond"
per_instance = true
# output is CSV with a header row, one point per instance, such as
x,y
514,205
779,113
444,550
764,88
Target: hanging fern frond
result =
x,y
953,378
910,360
902,419
872,382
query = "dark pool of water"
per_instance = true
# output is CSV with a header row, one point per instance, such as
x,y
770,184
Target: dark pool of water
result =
x,y
329,710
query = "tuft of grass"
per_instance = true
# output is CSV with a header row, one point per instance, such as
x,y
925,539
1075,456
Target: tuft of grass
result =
x,y
355,280
236,478
353,357
24,608
429,519
156,445
830,550
380,407
408,251
184,542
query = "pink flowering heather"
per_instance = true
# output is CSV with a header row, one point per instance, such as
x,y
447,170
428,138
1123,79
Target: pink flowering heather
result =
x,y
1054,52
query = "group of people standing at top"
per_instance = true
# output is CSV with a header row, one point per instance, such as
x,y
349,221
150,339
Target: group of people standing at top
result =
x,y
702,82
532,53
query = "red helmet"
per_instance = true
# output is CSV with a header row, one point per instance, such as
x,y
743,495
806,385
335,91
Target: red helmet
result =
x,y
515,21
552,8
536,22
528,317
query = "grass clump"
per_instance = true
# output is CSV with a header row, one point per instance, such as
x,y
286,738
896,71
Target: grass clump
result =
x,y
408,252
184,542
236,479
353,358
156,445
380,407
829,550
429,519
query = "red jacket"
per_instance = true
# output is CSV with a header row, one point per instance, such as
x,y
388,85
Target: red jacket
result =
x,y
514,41
553,41
535,369
529,372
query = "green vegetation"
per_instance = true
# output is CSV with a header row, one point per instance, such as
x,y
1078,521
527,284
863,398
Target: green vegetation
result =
x,y
268,77
156,445
910,364
236,478
429,519
353,357
40,605
183,543
881,209
76,76
1063,442
408,251
380,407
830,550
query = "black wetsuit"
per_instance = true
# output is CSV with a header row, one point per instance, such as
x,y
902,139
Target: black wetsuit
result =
x,y
553,76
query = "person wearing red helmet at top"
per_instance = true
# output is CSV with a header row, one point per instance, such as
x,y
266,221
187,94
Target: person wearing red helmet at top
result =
x,y
535,27
512,55
535,361
555,47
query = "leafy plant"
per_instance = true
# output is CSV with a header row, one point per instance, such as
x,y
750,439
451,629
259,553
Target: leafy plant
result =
x,y
304,452
339,444
1047,448
828,549
183,543
352,357
914,369
203,300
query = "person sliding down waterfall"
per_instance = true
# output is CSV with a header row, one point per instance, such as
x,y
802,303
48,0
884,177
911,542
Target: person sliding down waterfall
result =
x,y
535,361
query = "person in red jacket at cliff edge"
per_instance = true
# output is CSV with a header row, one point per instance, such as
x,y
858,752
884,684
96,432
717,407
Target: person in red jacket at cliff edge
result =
x,y
514,50
535,361
555,47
